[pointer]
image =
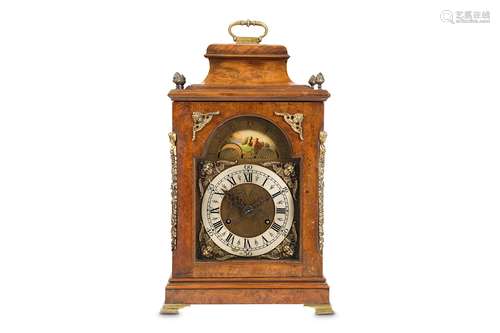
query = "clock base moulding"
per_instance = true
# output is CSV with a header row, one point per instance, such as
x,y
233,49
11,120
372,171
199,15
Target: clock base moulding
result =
x,y
182,292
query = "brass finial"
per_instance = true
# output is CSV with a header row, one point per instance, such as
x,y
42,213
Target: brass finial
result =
x,y
317,79
179,80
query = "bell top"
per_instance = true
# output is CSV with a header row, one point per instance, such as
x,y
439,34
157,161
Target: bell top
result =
x,y
247,65
247,70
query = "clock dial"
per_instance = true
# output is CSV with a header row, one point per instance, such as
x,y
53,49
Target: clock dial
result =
x,y
247,210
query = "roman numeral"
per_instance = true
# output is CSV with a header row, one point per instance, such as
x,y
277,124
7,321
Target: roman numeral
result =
x,y
265,180
231,180
220,193
215,210
230,238
248,176
265,239
280,210
218,226
276,227
276,194
246,244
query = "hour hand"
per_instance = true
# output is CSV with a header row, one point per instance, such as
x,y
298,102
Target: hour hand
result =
x,y
248,209
235,200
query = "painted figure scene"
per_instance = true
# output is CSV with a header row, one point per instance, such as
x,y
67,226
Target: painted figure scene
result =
x,y
248,144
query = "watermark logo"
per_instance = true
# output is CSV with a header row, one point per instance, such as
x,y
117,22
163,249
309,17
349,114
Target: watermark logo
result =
x,y
465,16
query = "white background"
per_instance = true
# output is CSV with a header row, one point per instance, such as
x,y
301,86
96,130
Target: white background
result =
x,y
413,161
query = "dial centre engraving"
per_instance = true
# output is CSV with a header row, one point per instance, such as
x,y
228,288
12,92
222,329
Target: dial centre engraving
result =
x,y
247,206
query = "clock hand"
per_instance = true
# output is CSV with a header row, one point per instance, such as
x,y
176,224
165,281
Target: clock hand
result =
x,y
235,200
250,208
259,202
238,202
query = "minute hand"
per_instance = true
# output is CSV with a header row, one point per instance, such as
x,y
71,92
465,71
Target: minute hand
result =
x,y
259,202
235,200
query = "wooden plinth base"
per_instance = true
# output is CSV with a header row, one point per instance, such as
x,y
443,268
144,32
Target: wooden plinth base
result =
x,y
182,292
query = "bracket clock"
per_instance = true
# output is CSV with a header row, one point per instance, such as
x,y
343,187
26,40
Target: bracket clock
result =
x,y
247,151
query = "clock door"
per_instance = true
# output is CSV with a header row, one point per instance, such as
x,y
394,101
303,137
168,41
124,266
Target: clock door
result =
x,y
247,194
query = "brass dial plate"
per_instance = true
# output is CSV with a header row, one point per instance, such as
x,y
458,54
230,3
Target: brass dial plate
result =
x,y
247,195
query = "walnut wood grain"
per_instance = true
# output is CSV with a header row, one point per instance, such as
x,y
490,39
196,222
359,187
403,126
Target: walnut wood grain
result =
x,y
243,294
236,51
248,80
292,93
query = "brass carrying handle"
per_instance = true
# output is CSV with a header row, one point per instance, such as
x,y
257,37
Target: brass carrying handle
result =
x,y
248,23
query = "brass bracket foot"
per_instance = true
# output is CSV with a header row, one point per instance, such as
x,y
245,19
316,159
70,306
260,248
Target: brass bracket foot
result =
x,y
172,308
321,309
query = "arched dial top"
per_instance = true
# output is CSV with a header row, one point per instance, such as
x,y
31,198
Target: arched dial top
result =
x,y
247,210
247,138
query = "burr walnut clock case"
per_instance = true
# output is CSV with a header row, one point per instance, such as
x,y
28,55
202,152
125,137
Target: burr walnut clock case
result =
x,y
247,151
